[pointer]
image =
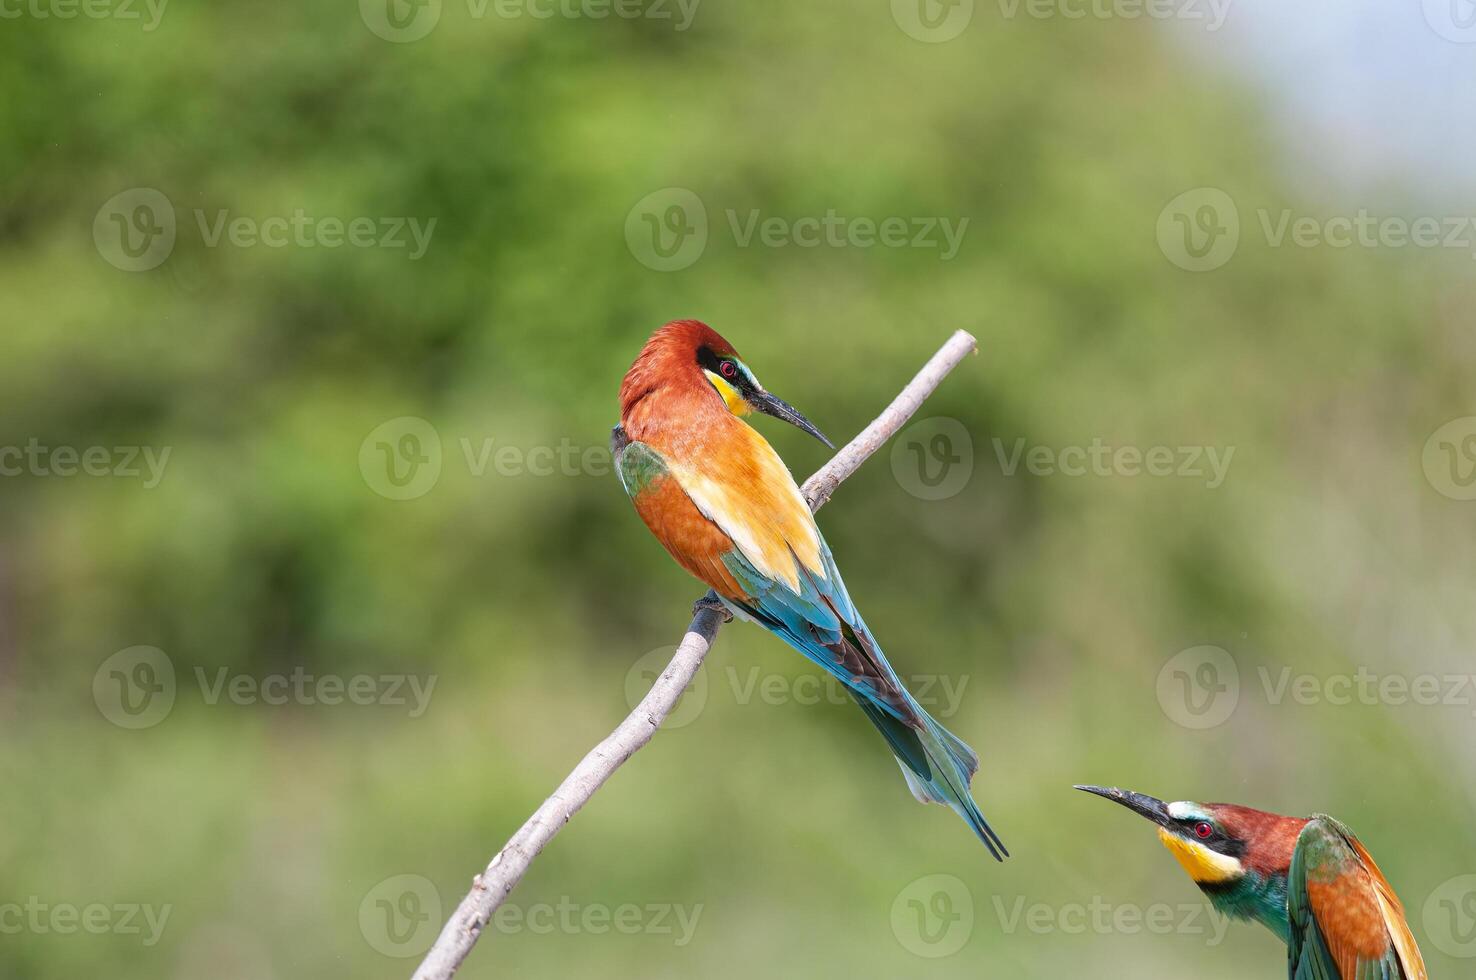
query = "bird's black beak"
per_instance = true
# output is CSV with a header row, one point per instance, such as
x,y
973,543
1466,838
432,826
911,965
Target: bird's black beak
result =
x,y
1145,806
769,404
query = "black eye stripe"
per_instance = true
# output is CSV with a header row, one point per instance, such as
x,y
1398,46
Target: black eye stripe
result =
x,y
725,367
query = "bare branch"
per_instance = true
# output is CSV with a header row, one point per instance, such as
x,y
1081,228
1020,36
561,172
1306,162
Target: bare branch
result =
x,y
492,886
819,487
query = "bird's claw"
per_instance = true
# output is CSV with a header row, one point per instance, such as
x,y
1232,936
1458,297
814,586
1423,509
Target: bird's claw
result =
x,y
712,602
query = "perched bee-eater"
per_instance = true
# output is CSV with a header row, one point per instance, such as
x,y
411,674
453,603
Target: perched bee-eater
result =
x,y
1308,880
722,502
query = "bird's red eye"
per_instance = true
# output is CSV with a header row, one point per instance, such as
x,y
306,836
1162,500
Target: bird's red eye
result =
x,y
1203,831
728,369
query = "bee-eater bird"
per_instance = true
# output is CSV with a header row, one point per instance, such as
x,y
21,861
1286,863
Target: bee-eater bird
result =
x,y
1308,880
722,502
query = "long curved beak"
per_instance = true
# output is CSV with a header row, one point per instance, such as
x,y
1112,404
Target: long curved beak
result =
x,y
773,405
1145,806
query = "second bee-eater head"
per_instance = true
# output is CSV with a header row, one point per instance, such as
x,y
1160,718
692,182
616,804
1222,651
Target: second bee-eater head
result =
x,y
687,357
1239,857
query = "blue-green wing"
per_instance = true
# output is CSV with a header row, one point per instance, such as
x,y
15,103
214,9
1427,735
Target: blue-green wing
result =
x,y
636,464
1340,912
821,621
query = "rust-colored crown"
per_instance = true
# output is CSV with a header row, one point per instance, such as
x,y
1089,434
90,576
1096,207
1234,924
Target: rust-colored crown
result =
x,y
1270,839
670,359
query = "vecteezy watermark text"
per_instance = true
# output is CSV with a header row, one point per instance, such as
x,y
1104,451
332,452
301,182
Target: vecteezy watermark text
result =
x,y
403,21
149,12
937,21
119,462
668,230
568,917
1208,463
302,688
834,230
136,688
1211,12
1367,687
1200,230
40,917
303,230
402,459
1099,917
136,230
1201,687
401,915
940,695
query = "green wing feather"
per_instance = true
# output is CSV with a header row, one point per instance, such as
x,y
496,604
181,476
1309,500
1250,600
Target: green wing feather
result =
x,y
1325,852
636,464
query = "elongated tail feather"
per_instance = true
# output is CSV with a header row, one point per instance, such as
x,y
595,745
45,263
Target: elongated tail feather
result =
x,y
938,767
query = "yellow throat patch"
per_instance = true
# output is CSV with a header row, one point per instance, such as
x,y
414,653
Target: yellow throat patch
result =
x,y
1204,865
736,403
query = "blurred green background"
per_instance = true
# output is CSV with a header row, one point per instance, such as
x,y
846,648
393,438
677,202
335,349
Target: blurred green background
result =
x,y
549,152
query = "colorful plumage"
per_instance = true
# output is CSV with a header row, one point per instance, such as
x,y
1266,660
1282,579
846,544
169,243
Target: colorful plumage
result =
x,y
1308,880
721,501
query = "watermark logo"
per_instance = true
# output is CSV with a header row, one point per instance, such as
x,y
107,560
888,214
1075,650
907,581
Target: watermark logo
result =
x,y
933,21
1449,459
1450,917
1199,687
400,21
933,459
933,917
401,458
401,916
1454,20
1199,230
642,677
135,688
667,229
134,230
